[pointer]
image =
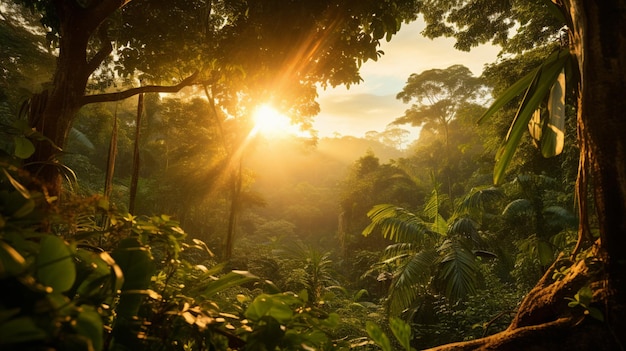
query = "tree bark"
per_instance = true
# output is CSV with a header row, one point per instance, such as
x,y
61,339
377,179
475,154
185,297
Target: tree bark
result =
x,y
544,320
52,111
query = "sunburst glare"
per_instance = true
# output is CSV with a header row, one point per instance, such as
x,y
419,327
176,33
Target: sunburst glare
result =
x,y
271,122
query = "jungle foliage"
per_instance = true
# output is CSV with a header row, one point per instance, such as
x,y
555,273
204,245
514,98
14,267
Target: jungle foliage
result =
x,y
240,242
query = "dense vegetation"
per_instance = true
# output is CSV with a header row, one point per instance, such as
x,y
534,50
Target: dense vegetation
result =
x,y
163,222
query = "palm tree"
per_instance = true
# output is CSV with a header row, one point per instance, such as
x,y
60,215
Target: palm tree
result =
x,y
542,226
430,255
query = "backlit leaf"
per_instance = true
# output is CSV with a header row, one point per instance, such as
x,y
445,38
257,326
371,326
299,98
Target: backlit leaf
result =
x,y
55,266
535,93
553,134
89,324
379,337
24,148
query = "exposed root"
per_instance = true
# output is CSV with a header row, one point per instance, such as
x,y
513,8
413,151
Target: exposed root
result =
x,y
544,320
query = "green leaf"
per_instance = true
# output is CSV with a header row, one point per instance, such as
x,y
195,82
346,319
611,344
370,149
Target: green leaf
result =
x,y
378,336
518,208
234,278
414,272
24,148
546,254
584,295
553,133
439,225
596,314
270,305
402,332
397,224
55,266
537,90
20,330
458,270
535,128
89,324
137,266
28,206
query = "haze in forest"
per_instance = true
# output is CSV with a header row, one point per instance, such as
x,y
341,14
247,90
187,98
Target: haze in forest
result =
x,y
208,175
372,104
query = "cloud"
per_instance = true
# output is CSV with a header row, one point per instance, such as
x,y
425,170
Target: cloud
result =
x,y
356,113
372,105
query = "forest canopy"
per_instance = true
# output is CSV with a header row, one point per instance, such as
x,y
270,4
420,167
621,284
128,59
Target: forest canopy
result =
x,y
141,207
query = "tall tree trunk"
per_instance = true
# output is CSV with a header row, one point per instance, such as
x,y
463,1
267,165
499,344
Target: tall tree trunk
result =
x,y
110,171
544,320
602,55
134,180
53,110
235,207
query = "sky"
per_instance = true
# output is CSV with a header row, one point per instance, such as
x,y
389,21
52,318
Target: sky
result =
x,y
372,104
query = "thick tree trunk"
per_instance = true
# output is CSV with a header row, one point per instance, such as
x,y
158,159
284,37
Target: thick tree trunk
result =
x,y
53,110
544,320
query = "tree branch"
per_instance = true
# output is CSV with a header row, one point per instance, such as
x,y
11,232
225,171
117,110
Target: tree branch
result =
x,y
104,51
101,10
121,95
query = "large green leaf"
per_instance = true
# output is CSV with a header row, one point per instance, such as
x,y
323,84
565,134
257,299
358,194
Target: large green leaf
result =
x,y
231,279
24,148
553,133
476,201
397,224
137,266
378,336
55,266
276,306
518,208
458,271
402,331
535,86
414,273
439,225
89,324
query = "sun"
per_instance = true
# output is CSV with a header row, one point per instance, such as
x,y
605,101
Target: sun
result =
x,y
269,121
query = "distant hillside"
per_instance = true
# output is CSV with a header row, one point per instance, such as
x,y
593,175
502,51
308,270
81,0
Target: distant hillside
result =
x,y
288,160
300,183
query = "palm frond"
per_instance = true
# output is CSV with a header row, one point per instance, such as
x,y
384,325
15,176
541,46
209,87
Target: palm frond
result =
x,y
467,229
458,271
398,250
81,138
397,224
431,208
518,208
559,217
476,201
410,280
439,225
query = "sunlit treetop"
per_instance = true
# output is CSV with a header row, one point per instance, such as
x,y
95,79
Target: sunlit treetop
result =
x,y
268,47
516,25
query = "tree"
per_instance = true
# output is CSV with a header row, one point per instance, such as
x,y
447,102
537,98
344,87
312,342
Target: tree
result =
x,y
438,94
544,319
180,43
431,255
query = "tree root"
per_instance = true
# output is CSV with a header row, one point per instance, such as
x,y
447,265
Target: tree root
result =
x,y
544,320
